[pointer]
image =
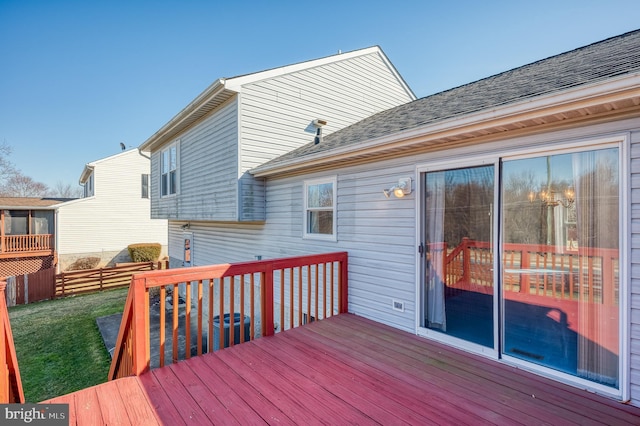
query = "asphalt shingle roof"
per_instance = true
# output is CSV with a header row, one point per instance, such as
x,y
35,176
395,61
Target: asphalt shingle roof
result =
x,y
9,202
612,57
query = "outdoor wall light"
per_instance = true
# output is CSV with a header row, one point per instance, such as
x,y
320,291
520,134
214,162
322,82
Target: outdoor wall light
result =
x,y
400,190
186,226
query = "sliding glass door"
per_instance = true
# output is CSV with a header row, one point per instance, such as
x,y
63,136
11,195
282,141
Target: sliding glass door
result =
x,y
544,288
459,287
561,272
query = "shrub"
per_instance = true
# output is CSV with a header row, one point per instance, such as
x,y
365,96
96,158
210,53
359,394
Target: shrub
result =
x,y
144,252
84,263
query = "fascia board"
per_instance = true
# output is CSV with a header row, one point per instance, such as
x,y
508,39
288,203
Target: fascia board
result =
x,y
207,95
236,83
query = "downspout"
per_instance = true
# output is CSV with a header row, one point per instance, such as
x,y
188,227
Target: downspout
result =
x,y
140,152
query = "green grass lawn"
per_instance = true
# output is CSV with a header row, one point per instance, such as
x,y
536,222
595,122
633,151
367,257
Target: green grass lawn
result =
x,y
58,344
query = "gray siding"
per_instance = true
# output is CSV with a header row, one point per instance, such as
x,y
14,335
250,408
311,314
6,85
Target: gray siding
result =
x,y
380,234
207,173
276,113
635,268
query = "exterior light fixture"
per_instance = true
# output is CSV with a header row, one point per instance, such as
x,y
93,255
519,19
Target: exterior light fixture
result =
x,y
551,199
400,190
318,123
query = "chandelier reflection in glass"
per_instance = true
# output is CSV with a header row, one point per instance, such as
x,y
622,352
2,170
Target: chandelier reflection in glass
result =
x,y
550,198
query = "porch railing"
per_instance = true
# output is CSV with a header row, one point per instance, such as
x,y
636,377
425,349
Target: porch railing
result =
x,y
268,296
26,243
10,383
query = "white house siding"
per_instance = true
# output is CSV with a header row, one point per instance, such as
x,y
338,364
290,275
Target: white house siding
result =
x,y
277,113
380,234
105,224
207,171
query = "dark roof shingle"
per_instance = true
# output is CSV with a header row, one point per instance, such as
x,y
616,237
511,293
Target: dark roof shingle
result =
x,y
612,57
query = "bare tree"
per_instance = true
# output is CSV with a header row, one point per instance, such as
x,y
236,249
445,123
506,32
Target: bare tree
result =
x,y
6,167
19,185
65,190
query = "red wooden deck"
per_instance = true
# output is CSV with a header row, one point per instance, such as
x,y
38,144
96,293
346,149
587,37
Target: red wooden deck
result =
x,y
344,369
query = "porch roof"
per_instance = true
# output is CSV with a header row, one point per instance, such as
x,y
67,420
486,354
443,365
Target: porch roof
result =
x,y
345,369
31,203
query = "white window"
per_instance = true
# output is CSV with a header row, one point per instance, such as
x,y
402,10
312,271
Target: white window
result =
x,y
320,209
88,187
169,171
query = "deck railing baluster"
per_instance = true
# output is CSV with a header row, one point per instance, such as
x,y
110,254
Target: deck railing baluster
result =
x,y
132,353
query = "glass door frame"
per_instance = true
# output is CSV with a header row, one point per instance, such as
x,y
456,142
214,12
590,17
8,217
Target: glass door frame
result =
x,y
443,165
622,141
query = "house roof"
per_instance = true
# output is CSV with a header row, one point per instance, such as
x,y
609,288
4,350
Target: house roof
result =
x,y
30,203
223,89
88,168
473,110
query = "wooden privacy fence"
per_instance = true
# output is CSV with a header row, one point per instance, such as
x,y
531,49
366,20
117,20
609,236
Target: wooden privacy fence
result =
x,y
266,295
93,280
29,288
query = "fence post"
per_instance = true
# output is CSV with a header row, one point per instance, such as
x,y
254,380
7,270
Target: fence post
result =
x,y
140,327
63,284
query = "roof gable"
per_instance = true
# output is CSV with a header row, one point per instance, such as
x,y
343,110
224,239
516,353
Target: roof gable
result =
x,y
225,88
604,60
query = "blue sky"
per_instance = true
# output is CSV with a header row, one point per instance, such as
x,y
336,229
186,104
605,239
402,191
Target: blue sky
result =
x,y
79,77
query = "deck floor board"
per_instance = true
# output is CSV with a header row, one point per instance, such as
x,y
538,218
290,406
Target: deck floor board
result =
x,y
469,387
345,369
520,382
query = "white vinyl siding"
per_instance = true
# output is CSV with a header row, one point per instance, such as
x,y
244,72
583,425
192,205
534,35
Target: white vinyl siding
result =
x,y
277,112
380,234
116,216
271,115
635,267
208,170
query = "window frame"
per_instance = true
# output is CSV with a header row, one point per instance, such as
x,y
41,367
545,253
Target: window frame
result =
x,y
175,170
144,183
333,209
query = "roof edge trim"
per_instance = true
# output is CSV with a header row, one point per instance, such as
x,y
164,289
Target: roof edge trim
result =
x,y
514,111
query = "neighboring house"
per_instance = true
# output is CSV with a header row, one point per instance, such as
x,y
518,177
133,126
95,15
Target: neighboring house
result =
x,y
499,217
114,212
27,234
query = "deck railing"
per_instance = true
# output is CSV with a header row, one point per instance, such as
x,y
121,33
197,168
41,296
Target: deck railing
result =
x,y
268,296
10,383
27,243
